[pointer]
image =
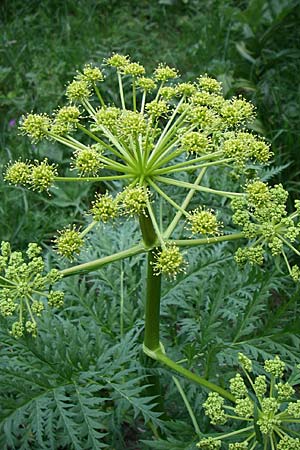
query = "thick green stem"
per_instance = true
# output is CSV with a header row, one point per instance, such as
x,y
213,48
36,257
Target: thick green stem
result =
x,y
153,292
151,337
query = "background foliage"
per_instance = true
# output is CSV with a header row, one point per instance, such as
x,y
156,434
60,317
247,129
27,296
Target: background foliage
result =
x,y
253,47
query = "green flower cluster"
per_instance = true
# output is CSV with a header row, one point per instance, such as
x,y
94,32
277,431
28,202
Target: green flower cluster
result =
x,y
69,242
35,175
263,218
264,403
204,221
104,208
169,261
23,283
65,120
88,161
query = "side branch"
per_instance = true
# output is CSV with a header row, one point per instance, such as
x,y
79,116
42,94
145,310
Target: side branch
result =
x,y
97,263
207,240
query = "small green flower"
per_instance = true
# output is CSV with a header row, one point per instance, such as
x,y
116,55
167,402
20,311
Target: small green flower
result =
x,y
288,443
204,221
169,261
91,74
37,307
242,146
245,362
214,409
88,161
131,124
237,111
104,208
146,84
78,90
185,89
275,367
204,98
293,409
209,84
17,329
36,126
106,117
244,407
165,73
69,242
284,391
239,446
260,385
42,175
134,69
56,299
295,273
66,120
195,142
168,92
31,327
238,387
18,173
253,255
118,61
157,108
209,443
276,246
134,200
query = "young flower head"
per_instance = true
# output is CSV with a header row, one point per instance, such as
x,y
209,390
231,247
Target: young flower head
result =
x,y
134,200
165,73
78,90
23,284
37,175
42,175
88,161
185,89
209,84
157,108
204,221
169,261
18,173
69,242
104,208
146,84
91,74
237,111
195,142
134,69
66,120
209,444
107,117
36,126
118,61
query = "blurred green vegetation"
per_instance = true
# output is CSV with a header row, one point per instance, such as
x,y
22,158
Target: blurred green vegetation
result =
x,y
252,46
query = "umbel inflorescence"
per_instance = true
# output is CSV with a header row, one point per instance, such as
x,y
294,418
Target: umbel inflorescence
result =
x,y
162,133
265,409
24,285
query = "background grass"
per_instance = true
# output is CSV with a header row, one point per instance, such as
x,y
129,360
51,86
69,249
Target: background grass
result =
x,y
252,46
